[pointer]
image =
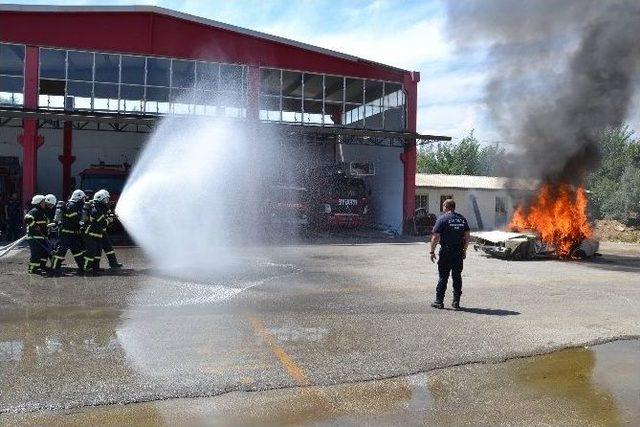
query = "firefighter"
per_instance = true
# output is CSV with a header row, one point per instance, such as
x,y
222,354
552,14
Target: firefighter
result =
x,y
451,230
36,222
68,217
96,237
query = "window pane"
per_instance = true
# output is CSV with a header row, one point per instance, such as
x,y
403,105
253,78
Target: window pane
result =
x,y
373,92
393,102
292,110
334,88
354,90
312,111
11,84
103,90
133,69
80,66
392,92
207,75
52,87
131,92
270,108
158,72
182,73
270,82
157,94
52,64
291,84
79,89
107,68
231,78
313,86
333,113
79,95
11,59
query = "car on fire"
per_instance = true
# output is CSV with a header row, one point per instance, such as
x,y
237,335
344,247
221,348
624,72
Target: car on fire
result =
x,y
526,246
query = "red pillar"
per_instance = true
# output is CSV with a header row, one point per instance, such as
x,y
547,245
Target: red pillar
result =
x,y
409,156
67,159
29,139
253,92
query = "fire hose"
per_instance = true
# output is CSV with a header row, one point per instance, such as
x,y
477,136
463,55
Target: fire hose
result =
x,y
5,249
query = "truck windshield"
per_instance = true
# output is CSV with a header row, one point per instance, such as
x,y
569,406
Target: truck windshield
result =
x,y
349,187
113,184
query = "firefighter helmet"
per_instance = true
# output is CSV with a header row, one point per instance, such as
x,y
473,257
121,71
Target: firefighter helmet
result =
x,y
50,200
37,199
77,196
101,196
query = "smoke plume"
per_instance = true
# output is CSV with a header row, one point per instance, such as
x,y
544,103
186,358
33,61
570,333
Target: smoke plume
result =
x,y
559,73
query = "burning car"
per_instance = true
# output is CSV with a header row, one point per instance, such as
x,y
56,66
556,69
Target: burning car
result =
x,y
553,225
526,246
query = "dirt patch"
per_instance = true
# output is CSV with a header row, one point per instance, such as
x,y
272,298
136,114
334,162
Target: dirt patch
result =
x,y
615,231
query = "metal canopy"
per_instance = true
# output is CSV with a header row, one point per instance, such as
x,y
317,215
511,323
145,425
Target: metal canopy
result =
x,y
54,119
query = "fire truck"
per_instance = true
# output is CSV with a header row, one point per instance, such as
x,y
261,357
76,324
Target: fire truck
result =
x,y
111,178
338,194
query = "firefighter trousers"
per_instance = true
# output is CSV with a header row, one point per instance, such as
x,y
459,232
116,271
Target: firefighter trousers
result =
x,y
93,250
72,242
450,262
39,255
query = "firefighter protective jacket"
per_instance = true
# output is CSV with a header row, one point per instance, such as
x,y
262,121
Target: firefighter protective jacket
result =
x,y
98,220
71,216
36,221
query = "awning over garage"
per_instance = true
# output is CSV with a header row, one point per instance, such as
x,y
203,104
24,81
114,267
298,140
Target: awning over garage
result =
x,y
145,124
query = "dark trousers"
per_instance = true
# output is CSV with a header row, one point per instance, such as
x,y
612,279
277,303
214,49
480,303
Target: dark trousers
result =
x,y
14,231
450,262
72,242
39,255
93,250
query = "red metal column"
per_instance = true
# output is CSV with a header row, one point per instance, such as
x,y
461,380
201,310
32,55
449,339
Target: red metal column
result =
x,y
409,156
29,139
67,159
253,92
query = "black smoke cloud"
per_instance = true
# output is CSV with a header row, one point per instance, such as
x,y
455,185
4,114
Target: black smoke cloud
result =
x,y
559,73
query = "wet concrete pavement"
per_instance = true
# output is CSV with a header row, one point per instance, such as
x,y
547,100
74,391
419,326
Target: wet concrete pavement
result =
x,y
312,315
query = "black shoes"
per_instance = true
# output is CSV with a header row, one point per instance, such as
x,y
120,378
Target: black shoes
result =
x,y
115,266
455,305
437,304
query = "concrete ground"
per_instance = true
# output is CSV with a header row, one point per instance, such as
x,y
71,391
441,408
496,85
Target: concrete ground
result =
x,y
315,328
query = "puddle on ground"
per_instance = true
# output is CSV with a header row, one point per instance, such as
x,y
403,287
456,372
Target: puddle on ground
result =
x,y
596,386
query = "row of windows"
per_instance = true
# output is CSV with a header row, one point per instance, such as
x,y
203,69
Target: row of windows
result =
x,y
137,84
11,74
307,98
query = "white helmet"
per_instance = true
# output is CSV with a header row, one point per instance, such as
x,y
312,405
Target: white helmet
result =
x,y
101,196
77,195
37,199
50,199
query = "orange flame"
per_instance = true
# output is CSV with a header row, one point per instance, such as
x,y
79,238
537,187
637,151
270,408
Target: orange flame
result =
x,y
558,214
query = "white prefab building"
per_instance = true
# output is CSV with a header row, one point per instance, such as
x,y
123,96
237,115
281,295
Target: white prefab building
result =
x,y
487,202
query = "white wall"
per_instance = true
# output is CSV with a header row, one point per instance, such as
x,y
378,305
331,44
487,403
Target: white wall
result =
x,y
89,147
486,200
387,185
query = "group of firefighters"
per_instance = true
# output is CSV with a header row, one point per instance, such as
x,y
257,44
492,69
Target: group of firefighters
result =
x,y
81,227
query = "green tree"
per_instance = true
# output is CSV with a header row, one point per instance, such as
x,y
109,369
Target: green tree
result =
x,y
614,185
466,157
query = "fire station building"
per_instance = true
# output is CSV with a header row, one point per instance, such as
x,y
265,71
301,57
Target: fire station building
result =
x,y
85,85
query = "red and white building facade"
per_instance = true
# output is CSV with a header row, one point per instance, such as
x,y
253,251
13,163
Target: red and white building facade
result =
x,y
81,85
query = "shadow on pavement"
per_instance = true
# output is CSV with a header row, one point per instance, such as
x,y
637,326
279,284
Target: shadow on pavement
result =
x,y
488,311
629,264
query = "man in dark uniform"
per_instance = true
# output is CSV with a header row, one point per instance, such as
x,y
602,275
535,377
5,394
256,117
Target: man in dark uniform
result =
x,y
14,215
36,222
451,230
68,216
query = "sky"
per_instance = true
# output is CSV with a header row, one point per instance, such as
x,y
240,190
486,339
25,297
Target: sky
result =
x,y
409,34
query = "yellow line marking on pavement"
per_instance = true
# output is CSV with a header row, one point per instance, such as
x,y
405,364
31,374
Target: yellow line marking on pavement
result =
x,y
285,360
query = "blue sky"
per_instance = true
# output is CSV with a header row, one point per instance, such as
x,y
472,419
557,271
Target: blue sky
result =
x,y
408,34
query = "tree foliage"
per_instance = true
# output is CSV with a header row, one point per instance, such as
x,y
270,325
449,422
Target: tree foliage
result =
x,y
615,185
466,157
